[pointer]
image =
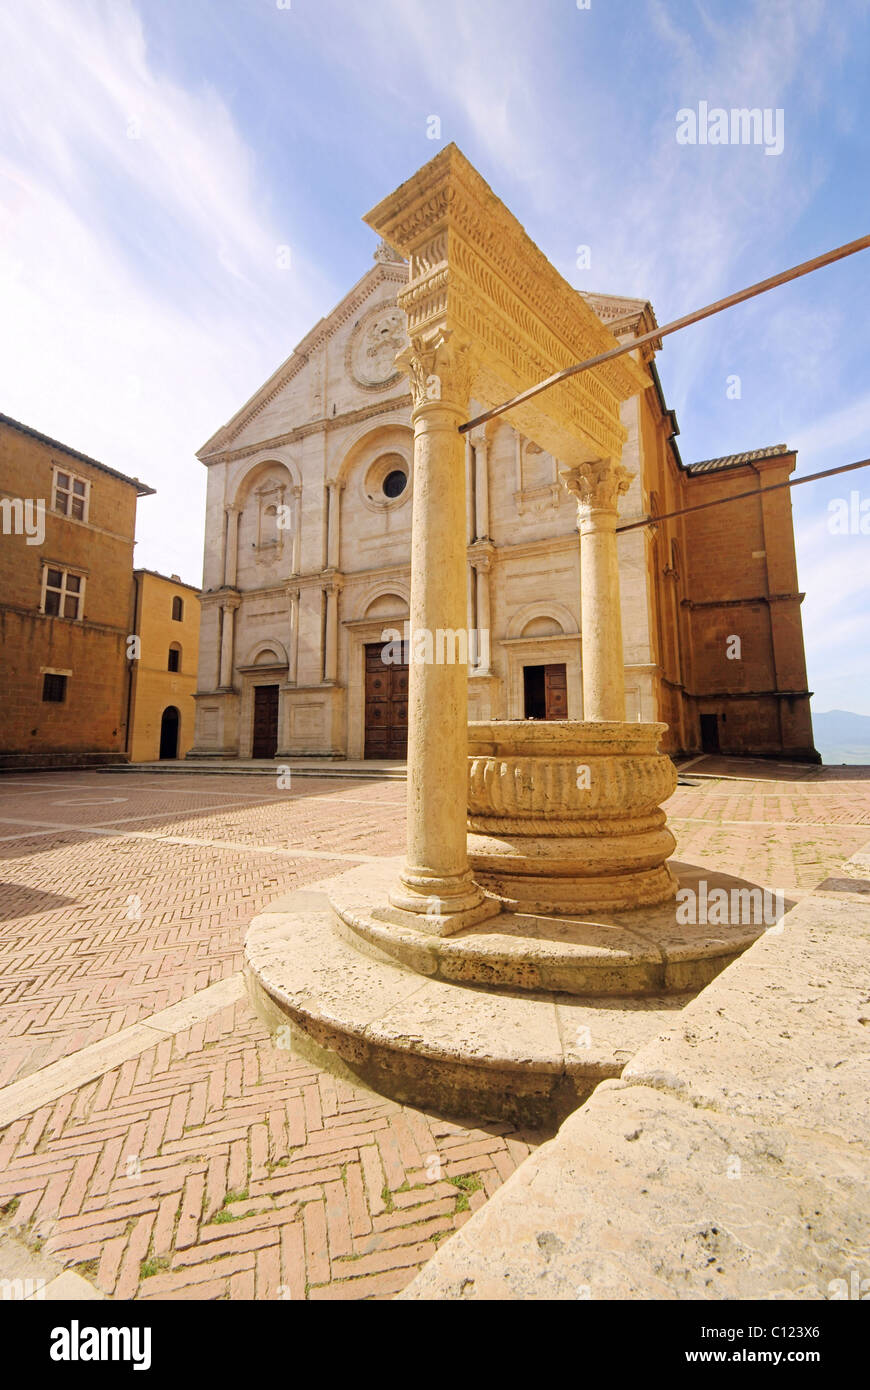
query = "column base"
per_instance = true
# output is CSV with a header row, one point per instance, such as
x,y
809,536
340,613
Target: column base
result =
x,y
439,906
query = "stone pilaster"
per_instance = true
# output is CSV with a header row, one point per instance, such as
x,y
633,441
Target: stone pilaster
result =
x,y
297,531
330,655
229,604
333,548
293,642
481,483
231,554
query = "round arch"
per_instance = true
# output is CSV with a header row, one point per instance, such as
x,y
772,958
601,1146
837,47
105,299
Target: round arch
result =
x,y
385,589
368,442
252,475
270,647
170,731
556,612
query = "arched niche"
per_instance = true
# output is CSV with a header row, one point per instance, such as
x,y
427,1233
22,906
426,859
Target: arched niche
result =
x,y
537,615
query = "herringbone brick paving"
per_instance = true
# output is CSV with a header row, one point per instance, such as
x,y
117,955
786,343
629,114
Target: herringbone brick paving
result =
x,y
214,1165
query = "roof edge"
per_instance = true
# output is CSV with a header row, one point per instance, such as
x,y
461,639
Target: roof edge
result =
x,y
142,488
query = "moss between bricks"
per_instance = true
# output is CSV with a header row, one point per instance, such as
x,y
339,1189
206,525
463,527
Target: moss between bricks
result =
x,y
468,1183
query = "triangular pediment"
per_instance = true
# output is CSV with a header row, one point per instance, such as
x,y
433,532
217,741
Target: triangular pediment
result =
x,y
293,396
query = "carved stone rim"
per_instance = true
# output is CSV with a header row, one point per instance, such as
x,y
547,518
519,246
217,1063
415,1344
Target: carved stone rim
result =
x,y
562,738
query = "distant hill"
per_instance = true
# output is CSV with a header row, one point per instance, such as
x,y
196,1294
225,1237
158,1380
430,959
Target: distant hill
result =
x,y
842,737
843,727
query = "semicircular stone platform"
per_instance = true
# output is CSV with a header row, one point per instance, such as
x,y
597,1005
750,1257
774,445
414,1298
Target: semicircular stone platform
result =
x,y
516,1019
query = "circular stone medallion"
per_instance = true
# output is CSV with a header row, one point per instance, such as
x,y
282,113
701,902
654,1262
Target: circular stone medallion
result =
x,y
373,347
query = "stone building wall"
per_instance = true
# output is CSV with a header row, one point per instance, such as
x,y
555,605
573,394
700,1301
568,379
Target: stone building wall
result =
x,y
294,605
156,688
87,650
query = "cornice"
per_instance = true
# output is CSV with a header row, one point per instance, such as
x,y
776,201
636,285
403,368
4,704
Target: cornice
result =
x,y
449,194
474,269
325,424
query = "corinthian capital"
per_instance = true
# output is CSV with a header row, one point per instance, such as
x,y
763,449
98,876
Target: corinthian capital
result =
x,y
440,367
597,485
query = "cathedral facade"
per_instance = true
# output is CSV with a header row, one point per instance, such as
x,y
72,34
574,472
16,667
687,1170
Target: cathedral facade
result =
x,y
306,576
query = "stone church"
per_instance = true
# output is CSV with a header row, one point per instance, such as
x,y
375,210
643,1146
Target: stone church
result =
x,y
307,564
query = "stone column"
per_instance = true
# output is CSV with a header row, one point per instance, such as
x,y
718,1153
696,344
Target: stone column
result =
x,y
330,655
481,484
333,535
229,606
469,491
597,487
231,555
435,881
293,644
483,565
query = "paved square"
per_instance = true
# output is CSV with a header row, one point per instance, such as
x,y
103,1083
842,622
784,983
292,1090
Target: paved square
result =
x,y
153,1138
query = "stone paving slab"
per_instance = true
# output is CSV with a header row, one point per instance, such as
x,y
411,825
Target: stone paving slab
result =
x,y
729,1162
166,1152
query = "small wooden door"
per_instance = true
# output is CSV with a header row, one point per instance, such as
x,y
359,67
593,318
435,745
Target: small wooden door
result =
x,y
545,692
386,712
265,743
556,690
710,733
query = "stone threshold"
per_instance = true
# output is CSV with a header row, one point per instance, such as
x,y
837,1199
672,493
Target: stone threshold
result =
x,y
311,767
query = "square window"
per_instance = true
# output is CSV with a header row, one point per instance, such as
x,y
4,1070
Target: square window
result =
x,y
73,583
53,688
55,579
52,603
70,495
71,606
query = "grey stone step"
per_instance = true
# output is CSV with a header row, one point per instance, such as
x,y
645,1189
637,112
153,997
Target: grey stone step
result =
x,y
528,1057
645,951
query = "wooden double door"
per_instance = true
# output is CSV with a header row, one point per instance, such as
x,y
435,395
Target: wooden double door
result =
x,y
386,709
265,743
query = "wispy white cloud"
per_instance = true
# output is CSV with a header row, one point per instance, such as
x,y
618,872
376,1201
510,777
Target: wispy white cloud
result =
x,y
136,263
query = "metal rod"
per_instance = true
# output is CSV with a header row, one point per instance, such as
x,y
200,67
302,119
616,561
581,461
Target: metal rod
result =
x,y
784,276
739,496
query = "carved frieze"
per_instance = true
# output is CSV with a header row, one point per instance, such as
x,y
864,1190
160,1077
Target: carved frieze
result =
x,y
472,268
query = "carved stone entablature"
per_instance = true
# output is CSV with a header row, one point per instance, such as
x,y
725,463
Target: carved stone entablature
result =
x,y
474,269
597,485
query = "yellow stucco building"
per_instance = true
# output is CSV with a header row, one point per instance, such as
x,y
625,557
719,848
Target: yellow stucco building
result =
x,y
166,621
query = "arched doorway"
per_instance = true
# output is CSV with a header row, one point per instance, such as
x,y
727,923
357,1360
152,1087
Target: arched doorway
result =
x,y
169,732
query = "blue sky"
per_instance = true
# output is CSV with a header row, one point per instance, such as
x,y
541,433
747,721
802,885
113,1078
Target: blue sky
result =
x,y
154,156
